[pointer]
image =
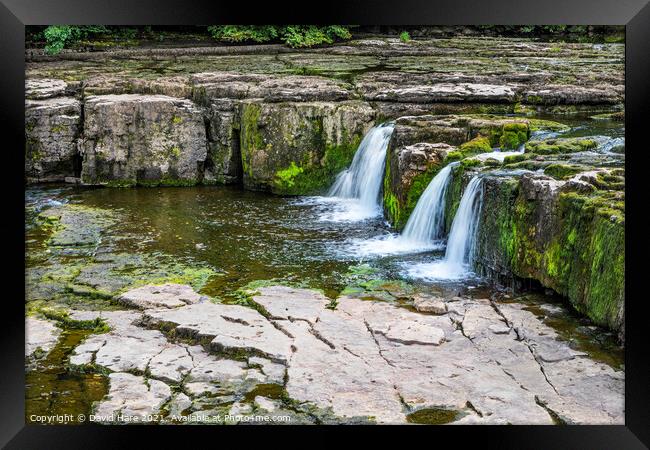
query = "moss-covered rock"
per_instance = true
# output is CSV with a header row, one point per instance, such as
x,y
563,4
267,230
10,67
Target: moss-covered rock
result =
x,y
298,148
52,126
421,145
560,145
535,227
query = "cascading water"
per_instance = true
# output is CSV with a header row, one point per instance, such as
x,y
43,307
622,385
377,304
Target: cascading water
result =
x,y
427,221
362,180
462,237
461,244
426,225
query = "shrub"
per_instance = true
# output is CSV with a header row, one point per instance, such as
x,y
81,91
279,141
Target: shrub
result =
x,y
291,35
58,36
404,36
243,33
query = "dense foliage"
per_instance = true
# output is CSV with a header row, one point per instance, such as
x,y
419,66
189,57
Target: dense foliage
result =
x,y
58,36
291,35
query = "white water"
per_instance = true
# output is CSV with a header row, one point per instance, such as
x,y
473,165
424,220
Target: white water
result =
x,y
427,221
361,182
425,228
461,245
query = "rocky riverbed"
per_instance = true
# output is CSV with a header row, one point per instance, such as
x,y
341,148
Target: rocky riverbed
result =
x,y
183,299
470,361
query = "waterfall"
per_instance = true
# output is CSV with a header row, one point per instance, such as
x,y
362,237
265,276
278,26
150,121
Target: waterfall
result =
x,y
462,237
427,221
461,244
362,180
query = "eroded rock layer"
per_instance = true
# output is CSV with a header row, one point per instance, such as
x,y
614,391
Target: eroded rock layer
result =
x,y
285,121
478,360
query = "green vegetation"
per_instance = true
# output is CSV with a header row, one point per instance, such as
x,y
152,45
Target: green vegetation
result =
x,y
291,35
404,36
58,37
560,145
310,178
562,171
513,135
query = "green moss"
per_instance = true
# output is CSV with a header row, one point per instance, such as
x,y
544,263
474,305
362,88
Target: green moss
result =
x,y
523,109
250,137
470,162
560,145
313,178
617,116
175,152
391,205
562,171
58,128
176,120
546,125
454,156
571,257
534,99
433,416
513,135
479,144
285,179
512,159
64,320
418,185
610,181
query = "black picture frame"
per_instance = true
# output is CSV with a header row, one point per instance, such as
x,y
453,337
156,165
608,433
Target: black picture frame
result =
x,y
16,14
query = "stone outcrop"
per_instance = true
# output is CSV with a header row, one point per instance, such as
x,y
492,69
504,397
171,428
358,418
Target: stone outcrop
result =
x,y
481,361
167,295
567,234
52,126
422,145
40,336
299,148
133,139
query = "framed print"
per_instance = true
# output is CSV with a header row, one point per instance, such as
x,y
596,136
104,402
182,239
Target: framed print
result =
x,y
390,215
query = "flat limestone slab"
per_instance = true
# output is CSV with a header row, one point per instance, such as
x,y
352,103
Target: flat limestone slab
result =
x,y
167,295
232,328
491,363
40,333
132,396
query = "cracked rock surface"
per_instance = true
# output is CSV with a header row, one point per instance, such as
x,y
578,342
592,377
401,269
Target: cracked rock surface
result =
x,y
492,363
40,334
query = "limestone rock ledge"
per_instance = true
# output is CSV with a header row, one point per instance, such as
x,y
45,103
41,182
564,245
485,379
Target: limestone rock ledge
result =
x,y
422,145
133,139
492,363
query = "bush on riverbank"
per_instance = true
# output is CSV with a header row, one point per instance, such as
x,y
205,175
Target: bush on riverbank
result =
x,y
58,37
